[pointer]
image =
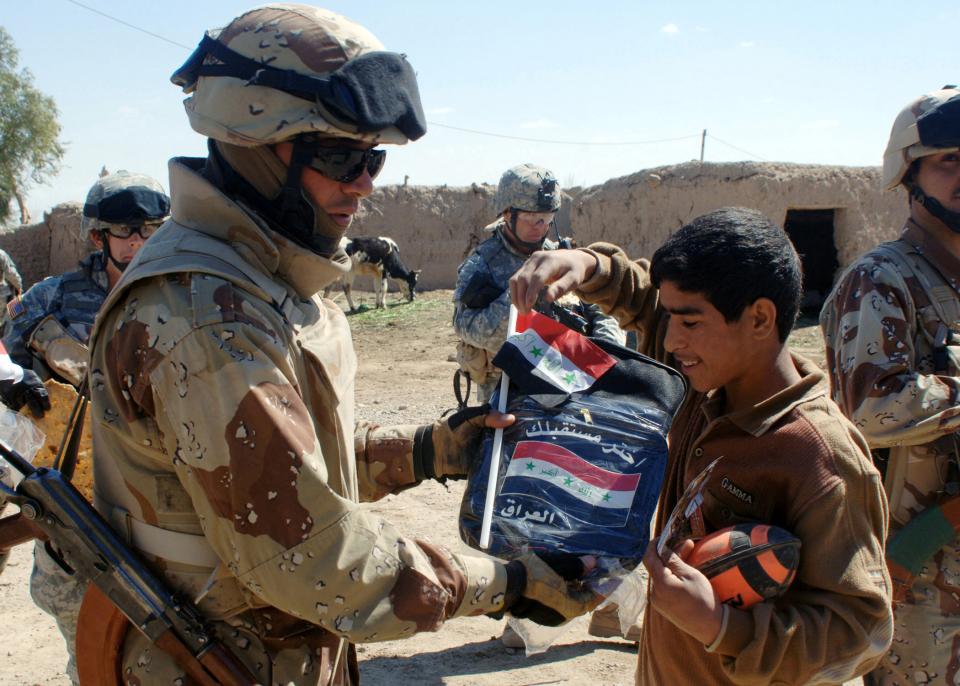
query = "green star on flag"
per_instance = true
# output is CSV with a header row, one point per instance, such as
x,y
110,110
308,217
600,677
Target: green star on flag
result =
x,y
531,466
569,377
606,497
536,352
568,481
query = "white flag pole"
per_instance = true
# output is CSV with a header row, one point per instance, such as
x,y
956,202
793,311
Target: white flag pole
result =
x,y
497,446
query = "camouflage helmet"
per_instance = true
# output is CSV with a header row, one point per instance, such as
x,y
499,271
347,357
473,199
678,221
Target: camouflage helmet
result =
x,y
927,126
282,70
528,188
123,198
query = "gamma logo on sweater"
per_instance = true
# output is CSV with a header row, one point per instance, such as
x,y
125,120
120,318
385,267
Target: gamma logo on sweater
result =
x,y
736,491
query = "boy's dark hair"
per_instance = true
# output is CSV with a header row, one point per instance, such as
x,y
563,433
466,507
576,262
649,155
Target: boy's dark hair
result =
x,y
733,256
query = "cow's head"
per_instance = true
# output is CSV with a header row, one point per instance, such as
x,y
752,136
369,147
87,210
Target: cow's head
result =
x,y
409,284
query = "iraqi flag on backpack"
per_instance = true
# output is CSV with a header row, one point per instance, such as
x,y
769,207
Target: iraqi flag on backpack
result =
x,y
544,357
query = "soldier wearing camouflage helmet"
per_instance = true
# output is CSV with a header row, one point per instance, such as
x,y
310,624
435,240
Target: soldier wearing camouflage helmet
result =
x,y
527,200
892,329
225,445
121,211
50,325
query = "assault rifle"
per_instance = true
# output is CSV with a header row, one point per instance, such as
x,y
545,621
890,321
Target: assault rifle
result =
x,y
52,508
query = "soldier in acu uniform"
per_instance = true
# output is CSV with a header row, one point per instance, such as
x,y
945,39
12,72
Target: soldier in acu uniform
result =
x,y
527,200
50,325
225,447
891,327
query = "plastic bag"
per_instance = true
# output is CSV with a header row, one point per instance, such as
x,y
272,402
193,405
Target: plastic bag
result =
x,y
21,435
582,478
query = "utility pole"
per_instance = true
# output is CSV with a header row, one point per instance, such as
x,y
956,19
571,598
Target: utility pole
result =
x,y
703,143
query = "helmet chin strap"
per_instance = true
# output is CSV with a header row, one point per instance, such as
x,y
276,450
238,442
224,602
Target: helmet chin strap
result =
x,y
526,246
121,266
936,208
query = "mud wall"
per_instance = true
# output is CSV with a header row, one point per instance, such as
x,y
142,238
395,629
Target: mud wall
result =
x,y
51,246
437,226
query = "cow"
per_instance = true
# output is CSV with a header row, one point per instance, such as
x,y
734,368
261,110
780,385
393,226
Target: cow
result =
x,y
380,258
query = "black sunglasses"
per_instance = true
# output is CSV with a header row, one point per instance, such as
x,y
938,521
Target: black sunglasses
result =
x,y
346,165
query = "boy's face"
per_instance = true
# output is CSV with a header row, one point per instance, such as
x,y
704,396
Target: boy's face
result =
x,y
710,351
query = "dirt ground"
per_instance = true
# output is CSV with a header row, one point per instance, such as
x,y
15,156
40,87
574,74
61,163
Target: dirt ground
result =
x,y
405,373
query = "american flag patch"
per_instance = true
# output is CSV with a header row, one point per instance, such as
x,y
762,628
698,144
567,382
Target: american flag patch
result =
x,y
15,308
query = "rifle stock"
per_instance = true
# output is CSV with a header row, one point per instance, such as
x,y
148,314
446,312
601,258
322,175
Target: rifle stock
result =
x,y
52,507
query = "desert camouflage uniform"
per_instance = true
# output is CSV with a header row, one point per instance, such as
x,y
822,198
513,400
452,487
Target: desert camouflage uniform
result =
x,y
881,331
11,282
73,299
222,391
485,328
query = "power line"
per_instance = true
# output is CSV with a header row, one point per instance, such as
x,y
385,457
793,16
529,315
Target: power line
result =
x,y
448,126
559,142
129,25
731,145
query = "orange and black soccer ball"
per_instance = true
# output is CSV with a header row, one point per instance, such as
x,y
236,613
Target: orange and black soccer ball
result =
x,y
747,563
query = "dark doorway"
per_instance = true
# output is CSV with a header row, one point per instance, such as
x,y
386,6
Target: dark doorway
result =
x,y
812,234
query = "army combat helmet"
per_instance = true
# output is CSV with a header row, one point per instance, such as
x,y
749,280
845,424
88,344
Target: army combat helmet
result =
x,y
928,125
304,75
122,203
526,188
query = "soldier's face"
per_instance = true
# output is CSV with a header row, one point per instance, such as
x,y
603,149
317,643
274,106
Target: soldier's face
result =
x,y
532,227
710,351
123,249
939,177
339,200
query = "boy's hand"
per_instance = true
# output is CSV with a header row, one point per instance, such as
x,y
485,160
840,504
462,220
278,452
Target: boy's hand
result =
x,y
682,594
559,271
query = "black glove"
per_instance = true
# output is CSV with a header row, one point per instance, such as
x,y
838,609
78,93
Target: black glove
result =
x,y
29,390
542,589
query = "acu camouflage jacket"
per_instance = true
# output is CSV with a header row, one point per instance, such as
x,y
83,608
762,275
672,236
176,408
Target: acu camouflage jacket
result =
x,y
222,391
891,326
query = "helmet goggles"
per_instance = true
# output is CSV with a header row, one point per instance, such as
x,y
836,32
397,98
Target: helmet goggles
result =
x,y
940,127
374,91
145,229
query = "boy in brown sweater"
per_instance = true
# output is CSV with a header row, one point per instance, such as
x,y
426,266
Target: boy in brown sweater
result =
x,y
717,302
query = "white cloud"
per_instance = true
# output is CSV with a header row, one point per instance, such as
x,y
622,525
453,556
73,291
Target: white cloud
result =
x,y
670,29
747,43
440,110
539,124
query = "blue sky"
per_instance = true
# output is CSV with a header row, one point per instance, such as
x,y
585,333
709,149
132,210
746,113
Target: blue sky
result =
x,y
814,82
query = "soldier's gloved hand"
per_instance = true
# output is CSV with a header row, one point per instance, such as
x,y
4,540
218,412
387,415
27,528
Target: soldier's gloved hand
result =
x,y
447,448
28,391
547,594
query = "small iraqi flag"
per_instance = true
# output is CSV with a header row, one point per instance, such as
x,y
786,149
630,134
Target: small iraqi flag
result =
x,y
544,356
580,489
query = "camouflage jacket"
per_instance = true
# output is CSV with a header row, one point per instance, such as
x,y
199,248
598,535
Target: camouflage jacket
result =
x,y
11,277
73,299
222,396
883,323
493,262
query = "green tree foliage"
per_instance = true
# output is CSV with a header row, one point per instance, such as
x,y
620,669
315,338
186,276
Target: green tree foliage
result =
x,y
30,149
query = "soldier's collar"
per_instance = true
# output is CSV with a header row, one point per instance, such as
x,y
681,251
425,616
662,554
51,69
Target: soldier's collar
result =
x,y
921,240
